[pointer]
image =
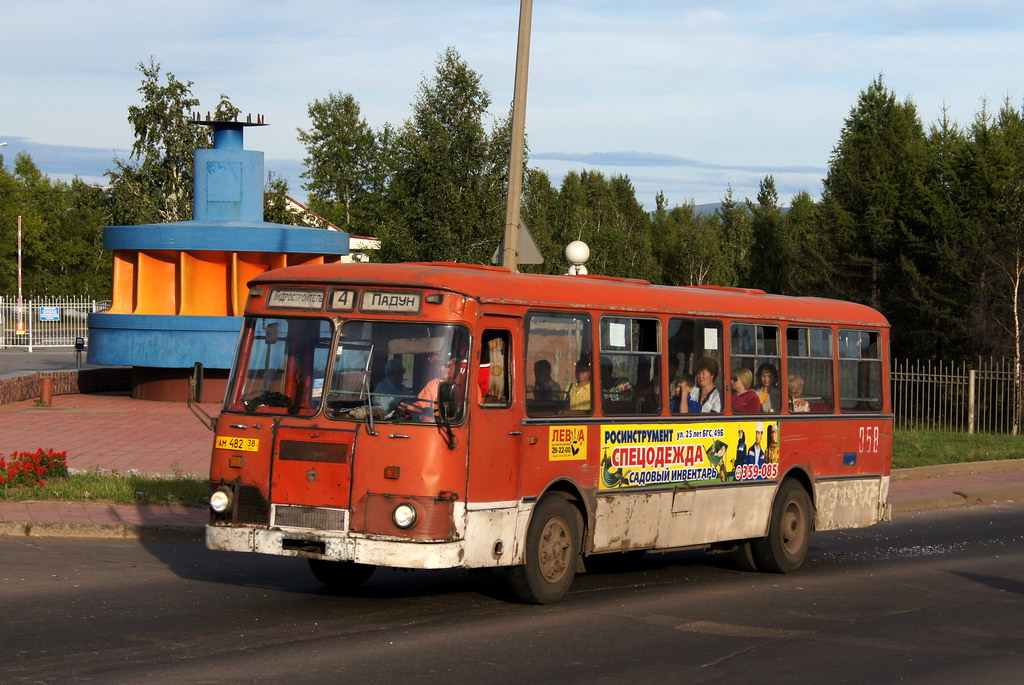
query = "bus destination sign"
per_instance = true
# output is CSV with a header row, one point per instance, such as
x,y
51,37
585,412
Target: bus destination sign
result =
x,y
392,302
296,299
342,300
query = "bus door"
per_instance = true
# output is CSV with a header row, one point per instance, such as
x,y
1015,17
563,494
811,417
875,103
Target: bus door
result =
x,y
496,426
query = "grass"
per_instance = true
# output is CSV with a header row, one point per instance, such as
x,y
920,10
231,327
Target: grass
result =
x,y
928,448
910,448
98,485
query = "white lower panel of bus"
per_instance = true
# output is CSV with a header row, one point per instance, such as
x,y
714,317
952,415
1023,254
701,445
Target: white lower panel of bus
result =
x,y
850,502
696,516
493,541
681,517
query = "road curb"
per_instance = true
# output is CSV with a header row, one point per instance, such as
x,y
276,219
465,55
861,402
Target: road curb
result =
x,y
125,531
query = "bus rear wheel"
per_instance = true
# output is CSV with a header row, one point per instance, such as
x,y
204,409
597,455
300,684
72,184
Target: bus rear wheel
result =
x,y
552,547
340,575
784,550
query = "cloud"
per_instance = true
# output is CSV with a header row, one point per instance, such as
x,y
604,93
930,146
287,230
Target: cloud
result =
x,y
655,159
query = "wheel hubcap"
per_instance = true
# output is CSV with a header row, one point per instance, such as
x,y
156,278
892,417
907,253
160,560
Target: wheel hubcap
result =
x,y
554,550
793,528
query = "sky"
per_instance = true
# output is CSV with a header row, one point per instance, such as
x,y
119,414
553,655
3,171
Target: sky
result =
x,y
683,97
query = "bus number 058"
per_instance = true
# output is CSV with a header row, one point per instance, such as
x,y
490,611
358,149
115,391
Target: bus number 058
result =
x,y
868,439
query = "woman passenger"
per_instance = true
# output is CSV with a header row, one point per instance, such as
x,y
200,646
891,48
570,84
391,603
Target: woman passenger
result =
x,y
744,400
706,393
767,388
797,403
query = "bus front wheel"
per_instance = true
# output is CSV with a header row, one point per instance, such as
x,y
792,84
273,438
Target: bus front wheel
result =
x,y
785,548
552,546
340,575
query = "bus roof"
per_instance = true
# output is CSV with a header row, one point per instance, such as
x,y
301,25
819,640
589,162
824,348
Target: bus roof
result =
x,y
491,284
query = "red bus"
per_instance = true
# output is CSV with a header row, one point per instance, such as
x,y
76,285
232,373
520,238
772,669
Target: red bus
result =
x,y
458,416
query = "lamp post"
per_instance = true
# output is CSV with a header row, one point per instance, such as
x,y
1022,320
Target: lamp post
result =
x,y
515,165
20,330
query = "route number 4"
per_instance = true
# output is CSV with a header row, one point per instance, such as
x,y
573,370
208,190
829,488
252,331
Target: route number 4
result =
x,y
868,439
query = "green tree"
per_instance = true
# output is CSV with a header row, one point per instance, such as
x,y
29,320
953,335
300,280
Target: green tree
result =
x,y
62,224
770,254
875,203
808,250
737,240
447,172
689,246
155,183
342,165
605,214
275,202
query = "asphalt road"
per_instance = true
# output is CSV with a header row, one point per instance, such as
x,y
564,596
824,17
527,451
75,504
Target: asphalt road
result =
x,y
931,598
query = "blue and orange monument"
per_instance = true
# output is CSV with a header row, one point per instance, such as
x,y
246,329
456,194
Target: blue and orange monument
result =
x,y
180,288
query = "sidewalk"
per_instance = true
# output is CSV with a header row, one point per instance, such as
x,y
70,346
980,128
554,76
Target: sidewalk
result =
x,y
118,433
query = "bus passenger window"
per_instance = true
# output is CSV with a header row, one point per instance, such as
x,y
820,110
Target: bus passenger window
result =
x,y
558,364
630,366
756,349
694,366
495,348
860,371
809,366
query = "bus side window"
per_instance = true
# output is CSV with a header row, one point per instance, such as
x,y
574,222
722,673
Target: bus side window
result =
x,y
493,378
809,360
630,366
860,371
695,357
558,361
756,348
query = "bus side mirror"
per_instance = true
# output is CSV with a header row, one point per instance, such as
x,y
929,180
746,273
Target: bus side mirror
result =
x,y
447,400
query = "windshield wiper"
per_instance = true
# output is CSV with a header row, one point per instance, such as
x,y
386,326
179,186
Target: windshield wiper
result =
x,y
366,390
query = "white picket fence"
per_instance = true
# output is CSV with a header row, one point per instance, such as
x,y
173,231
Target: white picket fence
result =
x,y
47,321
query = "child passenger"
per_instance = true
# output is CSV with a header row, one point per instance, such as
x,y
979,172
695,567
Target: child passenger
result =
x,y
680,401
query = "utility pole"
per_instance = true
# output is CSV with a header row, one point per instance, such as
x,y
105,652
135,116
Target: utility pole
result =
x,y
515,161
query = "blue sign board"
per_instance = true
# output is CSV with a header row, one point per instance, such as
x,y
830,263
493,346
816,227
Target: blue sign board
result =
x,y
49,313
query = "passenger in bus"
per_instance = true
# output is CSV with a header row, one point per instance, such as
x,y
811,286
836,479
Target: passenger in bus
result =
x,y
613,387
544,388
767,388
392,390
707,394
579,391
744,400
680,402
424,407
797,404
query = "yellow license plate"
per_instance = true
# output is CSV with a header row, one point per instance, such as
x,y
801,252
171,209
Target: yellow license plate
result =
x,y
225,442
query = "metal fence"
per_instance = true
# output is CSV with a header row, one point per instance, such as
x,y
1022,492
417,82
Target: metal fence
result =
x,y
971,397
46,321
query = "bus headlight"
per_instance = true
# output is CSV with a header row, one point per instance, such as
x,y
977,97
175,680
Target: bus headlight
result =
x,y
404,516
220,500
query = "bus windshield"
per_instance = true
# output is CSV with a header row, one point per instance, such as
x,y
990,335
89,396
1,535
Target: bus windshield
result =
x,y
395,370
282,366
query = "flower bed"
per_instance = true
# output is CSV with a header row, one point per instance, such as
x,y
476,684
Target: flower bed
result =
x,y
32,468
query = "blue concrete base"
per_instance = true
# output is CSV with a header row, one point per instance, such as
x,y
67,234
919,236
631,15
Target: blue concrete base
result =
x,y
170,342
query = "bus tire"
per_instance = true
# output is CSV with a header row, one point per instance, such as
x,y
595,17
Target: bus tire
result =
x,y
784,550
743,556
552,548
340,575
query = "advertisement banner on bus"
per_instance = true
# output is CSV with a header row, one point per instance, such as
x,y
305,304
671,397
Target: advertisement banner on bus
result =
x,y
645,455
